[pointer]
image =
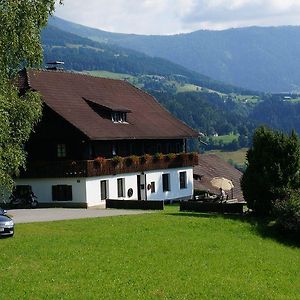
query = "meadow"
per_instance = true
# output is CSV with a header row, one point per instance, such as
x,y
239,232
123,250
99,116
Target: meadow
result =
x,y
238,157
164,255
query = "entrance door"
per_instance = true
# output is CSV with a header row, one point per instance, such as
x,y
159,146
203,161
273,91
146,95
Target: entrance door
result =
x,y
141,187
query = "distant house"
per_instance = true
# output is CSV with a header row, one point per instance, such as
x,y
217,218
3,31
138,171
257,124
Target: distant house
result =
x,y
211,166
102,138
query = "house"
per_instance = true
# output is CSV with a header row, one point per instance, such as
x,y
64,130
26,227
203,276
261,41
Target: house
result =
x,y
103,139
210,166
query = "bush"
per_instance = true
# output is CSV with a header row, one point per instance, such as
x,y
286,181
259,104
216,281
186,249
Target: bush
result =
x,y
287,212
273,164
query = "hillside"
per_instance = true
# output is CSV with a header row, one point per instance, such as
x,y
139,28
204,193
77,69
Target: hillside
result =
x,y
256,58
209,106
80,54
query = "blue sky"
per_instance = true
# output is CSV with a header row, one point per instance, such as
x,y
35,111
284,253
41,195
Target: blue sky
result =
x,y
178,16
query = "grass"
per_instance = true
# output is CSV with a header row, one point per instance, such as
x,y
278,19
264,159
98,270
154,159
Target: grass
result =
x,y
247,98
111,75
238,157
226,138
166,255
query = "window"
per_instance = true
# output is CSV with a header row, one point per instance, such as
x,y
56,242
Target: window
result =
x,y
62,192
119,117
166,182
152,187
61,150
104,189
182,180
121,187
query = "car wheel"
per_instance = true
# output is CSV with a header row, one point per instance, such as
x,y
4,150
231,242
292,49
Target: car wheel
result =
x,y
34,204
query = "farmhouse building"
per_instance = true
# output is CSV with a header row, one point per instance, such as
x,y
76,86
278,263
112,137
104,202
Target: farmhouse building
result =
x,y
102,138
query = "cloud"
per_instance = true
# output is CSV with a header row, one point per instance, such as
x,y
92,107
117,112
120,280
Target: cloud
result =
x,y
175,16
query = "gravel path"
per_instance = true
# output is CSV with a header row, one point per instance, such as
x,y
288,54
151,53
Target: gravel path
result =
x,y
56,214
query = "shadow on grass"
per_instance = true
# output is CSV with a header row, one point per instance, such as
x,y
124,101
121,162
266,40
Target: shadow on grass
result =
x,y
264,227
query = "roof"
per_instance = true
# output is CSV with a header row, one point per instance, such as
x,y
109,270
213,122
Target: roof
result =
x,y
68,95
211,166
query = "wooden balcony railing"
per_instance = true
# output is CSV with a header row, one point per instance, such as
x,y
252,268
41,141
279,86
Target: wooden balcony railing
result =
x,y
101,166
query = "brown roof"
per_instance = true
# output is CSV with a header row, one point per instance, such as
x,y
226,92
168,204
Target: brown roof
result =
x,y
67,94
211,166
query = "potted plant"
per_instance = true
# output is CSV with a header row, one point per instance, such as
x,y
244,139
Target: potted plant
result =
x,y
146,158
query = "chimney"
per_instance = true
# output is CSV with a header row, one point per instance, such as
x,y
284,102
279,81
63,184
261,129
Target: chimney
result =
x,y
55,65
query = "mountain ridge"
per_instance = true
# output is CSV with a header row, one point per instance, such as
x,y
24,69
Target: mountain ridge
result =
x,y
255,58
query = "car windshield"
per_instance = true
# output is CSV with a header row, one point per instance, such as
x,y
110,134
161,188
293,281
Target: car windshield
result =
x,y
1,211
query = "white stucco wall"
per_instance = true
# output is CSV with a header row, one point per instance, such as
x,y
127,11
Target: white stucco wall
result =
x,y
175,191
88,190
42,188
93,191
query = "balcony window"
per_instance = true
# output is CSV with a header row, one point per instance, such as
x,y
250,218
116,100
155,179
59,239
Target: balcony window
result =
x,y
182,180
61,150
166,182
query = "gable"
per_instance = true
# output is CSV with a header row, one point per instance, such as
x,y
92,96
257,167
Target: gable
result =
x,y
68,95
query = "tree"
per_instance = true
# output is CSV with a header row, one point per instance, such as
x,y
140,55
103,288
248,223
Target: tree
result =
x,y
21,22
273,164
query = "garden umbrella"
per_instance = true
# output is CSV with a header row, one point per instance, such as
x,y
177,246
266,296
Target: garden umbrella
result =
x,y
221,182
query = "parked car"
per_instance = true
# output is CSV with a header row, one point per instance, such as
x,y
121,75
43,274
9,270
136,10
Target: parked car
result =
x,y
6,224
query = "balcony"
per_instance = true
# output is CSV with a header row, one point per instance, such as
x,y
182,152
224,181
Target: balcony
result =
x,y
101,166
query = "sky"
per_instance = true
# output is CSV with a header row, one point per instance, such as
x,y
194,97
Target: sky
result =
x,y
178,16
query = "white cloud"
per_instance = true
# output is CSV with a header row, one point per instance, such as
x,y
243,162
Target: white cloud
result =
x,y
174,16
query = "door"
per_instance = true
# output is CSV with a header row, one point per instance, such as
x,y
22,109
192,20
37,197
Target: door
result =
x,y
141,187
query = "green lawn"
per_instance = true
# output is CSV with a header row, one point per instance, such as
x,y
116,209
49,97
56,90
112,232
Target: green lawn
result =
x,y
111,75
165,255
238,156
226,138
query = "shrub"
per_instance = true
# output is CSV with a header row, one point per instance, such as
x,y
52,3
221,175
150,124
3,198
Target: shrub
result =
x,y
273,162
287,212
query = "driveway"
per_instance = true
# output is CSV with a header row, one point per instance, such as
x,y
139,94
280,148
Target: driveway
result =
x,y
56,214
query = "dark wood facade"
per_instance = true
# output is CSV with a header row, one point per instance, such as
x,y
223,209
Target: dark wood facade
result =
x,y
53,130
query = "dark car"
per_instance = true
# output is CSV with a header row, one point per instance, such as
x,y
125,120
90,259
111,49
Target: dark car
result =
x,y
6,224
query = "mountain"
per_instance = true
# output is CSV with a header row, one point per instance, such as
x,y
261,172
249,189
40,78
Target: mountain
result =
x,y
81,53
255,58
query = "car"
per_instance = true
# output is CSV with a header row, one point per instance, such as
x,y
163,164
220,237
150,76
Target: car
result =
x,y
6,224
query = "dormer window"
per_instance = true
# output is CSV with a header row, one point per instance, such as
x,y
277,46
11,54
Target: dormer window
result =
x,y
119,117
108,110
